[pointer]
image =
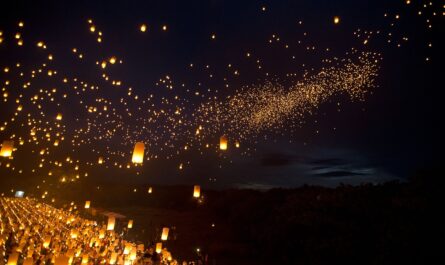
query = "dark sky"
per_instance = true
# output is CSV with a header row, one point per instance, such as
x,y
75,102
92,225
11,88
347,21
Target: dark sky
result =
x,y
393,133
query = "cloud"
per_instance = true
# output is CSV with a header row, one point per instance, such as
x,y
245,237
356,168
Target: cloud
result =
x,y
338,174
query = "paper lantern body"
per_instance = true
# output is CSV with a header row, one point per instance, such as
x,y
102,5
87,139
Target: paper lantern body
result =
x,y
164,235
13,258
62,260
85,259
87,204
158,247
113,258
223,143
111,222
138,153
196,191
7,148
28,261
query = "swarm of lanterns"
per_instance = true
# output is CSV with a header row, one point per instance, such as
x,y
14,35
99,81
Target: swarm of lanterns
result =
x,y
63,238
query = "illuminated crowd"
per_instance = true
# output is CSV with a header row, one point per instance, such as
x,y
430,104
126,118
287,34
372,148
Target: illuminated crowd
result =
x,y
36,233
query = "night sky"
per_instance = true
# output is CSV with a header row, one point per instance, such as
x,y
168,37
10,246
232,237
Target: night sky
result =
x,y
208,52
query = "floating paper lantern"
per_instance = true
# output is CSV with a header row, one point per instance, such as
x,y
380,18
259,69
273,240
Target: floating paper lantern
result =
x,y
59,117
143,28
130,224
237,144
74,233
223,143
62,260
87,204
70,255
138,153
7,148
127,249
133,254
85,259
150,190
158,247
164,235
47,241
13,258
101,160
111,222
113,258
101,234
196,191
28,261
336,20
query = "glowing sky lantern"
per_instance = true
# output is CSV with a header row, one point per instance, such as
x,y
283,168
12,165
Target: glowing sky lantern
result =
x,y
336,20
150,190
130,224
46,241
138,153
143,28
223,143
164,234
59,116
127,248
62,260
100,160
133,254
196,191
87,204
85,259
111,223
28,261
113,258
7,148
237,144
13,258
158,247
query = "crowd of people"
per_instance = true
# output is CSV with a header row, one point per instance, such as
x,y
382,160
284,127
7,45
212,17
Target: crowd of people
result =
x,y
32,232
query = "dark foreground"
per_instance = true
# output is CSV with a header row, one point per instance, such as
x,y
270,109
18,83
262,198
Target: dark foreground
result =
x,y
394,223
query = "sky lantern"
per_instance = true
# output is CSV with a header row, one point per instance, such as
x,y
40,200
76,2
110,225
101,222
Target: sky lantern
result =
x,y
158,247
336,20
46,241
164,235
13,258
100,160
130,224
7,148
102,233
87,204
85,259
138,153
196,191
150,190
223,143
111,222
143,28
133,254
62,260
237,144
59,116
127,249
113,258
28,261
